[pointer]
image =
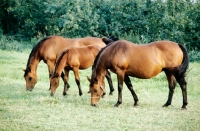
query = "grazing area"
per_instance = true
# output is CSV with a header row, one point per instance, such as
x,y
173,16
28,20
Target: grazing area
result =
x,y
22,110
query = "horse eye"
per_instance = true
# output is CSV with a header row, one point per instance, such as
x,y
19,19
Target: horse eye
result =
x,y
95,90
30,78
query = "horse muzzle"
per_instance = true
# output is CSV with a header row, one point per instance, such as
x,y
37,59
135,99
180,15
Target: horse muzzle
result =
x,y
52,93
95,105
29,89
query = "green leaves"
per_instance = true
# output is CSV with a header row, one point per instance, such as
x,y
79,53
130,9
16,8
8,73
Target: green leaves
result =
x,y
145,21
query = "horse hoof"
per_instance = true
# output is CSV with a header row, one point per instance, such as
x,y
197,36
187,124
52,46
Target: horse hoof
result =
x,y
136,105
116,105
64,93
165,105
183,108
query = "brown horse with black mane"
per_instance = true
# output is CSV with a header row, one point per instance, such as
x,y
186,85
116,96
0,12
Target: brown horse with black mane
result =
x,y
48,50
73,58
141,61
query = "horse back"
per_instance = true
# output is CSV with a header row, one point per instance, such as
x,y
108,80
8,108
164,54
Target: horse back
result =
x,y
89,41
166,54
142,61
82,57
151,59
52,47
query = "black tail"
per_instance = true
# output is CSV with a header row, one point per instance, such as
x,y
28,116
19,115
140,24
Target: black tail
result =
x,y
185,63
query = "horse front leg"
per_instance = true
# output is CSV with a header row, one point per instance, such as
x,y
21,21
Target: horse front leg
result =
x,y
171,83
51,66
77,79
120,78
130,87
65,77
108,77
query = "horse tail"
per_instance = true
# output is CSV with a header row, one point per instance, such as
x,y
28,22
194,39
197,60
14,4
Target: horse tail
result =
x,y
185,63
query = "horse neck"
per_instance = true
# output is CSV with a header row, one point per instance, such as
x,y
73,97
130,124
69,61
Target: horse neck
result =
x,y
33,64
60,66
100,72
95,50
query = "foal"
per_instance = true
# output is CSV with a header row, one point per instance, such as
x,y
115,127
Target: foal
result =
x,y
73,58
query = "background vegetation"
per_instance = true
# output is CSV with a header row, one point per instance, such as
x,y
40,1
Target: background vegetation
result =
x,y
140,21
21,110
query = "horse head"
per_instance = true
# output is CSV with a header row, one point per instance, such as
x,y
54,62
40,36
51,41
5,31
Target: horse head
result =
x,y
97,90
30,78
54,83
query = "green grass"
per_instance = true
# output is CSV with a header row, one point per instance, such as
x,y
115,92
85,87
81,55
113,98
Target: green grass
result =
x,y
22,110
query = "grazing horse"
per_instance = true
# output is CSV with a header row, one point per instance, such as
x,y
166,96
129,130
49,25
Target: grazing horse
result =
x,y
48,50
140,61
73,58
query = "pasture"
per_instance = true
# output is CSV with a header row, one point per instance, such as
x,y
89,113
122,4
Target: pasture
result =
x,y
22,110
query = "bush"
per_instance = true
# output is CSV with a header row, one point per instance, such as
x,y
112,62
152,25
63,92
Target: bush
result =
x,y
8,43
139,21
194,56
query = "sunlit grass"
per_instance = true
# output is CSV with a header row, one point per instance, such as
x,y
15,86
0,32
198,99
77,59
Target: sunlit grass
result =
x,y
22,110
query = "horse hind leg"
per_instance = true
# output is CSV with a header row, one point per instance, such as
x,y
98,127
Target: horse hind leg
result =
x,y
171,85
183,84
108,77
130,87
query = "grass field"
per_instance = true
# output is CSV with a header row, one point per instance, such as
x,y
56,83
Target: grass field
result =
x,y
22,110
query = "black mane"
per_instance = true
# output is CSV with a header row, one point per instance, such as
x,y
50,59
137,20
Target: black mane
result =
x,y
33,52
59,59
108,42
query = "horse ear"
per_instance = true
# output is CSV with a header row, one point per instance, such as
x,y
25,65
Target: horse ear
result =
x,y
29,69
89,79
23,69
95,81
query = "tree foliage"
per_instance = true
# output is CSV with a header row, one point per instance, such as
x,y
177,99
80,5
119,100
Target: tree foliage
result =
x,y
138,21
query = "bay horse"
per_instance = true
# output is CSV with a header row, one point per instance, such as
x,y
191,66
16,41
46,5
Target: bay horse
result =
x,y
141,61
73,58
48,50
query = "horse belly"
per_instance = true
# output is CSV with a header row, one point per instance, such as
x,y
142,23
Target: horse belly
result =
x,y
86,64
144,73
